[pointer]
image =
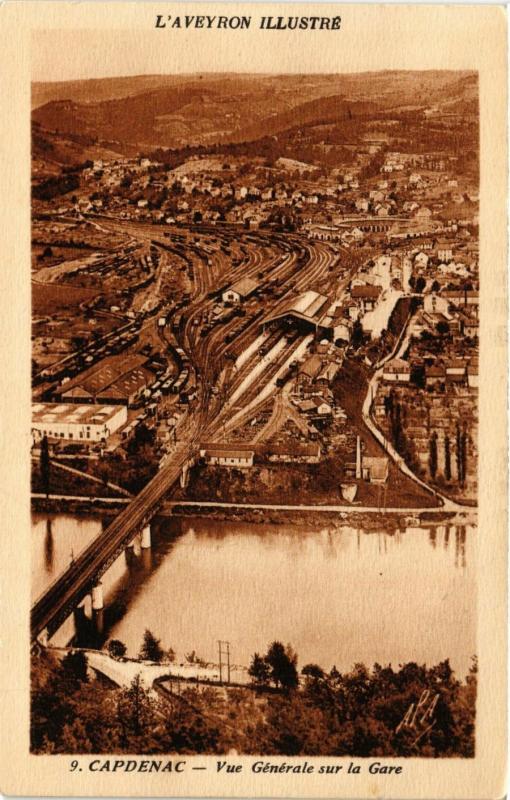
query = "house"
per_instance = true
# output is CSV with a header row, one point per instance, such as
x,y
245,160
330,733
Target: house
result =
x,y
226,456
294,453
469,326
472,373
342,331
421,260
423,214
397,371
306,406
444,250
239,290
327,375
461,297
322,407
435,304
375,469
362,204
366,295
309,370
357,234
435,375
455,370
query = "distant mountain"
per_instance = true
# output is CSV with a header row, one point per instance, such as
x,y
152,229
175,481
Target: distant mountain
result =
x,y
175,111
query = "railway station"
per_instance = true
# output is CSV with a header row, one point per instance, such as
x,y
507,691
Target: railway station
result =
x,y
305,312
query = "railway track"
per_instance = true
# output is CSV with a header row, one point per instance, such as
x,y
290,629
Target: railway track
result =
x,y
295,266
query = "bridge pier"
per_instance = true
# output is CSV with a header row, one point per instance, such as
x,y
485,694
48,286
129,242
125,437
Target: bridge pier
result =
x,y
145,540
97,597
44,638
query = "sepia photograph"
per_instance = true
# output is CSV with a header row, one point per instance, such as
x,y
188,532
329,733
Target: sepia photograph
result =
x,y
254,420
254,423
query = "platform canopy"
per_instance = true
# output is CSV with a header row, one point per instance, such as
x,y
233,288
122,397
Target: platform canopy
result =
x,y
307,307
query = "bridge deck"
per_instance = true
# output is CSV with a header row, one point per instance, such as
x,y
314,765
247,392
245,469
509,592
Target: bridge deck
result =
x,y
57,602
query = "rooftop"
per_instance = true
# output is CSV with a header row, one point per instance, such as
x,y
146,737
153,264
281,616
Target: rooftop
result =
x,y
244,286
306,306
366,291
64,413
107,372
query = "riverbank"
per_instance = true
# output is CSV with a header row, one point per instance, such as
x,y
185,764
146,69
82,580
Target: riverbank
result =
x,y
266,514
78,504
389,519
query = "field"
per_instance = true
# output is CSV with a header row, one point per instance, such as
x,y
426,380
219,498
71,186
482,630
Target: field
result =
x,y
50,298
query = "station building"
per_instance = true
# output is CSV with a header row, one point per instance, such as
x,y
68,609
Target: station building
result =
x,y
307,312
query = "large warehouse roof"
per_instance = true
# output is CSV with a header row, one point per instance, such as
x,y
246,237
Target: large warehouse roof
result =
x,y
306,306
125,369
71,413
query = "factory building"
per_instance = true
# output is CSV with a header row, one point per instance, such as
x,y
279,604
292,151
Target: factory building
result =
x,y
117,380
76,423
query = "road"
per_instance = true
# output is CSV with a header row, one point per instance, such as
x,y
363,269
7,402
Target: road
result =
x,y
398,351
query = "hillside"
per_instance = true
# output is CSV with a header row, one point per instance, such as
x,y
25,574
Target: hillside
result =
x,y
175,111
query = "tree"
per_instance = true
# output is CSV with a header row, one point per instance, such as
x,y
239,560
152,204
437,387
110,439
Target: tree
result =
x,y
420,284
433,455
135,712
447,459
116,648
282,663
45,465
259,670
357,334
151,649
314,672
74,670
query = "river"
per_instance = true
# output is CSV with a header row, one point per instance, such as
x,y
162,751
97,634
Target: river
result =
x,y
337,594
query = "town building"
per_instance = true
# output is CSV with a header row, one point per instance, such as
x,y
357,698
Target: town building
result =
x,y
397,371
79,423
367,296
225,456
240,290
116,380
294,453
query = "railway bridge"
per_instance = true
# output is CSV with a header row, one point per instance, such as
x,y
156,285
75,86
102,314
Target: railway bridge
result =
x,y
83,576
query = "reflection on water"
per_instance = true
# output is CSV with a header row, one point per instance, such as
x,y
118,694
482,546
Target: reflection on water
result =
x,y
48,548
56,539
337,594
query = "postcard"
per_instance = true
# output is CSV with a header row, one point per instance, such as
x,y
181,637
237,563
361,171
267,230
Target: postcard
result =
x,y
254,464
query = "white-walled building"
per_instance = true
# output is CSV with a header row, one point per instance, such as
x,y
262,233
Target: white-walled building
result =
x,y
77,423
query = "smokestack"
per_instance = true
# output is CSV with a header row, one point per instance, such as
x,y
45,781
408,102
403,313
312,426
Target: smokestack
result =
x,y
358,457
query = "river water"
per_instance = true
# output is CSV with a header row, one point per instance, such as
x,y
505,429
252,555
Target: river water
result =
x,y
337,594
